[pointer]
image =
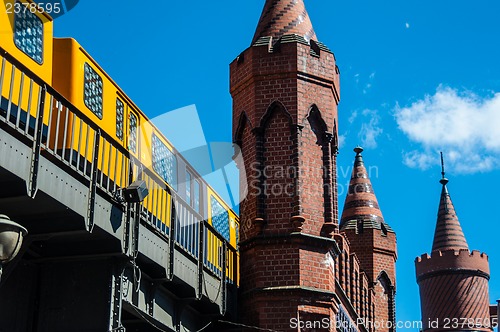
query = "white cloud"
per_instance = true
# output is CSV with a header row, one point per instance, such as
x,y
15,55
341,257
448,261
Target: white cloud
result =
x,y
370,129
369,85
353,116
407,25
342,139
463,125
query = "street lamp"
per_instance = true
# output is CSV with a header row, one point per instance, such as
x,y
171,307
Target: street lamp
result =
x,y
11,239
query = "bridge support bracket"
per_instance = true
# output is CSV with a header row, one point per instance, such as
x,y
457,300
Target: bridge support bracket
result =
x,y
115,315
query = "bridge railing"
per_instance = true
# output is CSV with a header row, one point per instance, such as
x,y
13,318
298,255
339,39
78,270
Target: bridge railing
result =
x,y
60,131
164,210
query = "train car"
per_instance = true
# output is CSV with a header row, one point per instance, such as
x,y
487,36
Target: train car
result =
x,y
225,221
81,80
25,35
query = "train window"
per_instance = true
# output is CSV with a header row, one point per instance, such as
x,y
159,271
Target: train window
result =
x,y
132,133
220,218
28,34
164,162
120,109
237,232
196,194
188,188
92,93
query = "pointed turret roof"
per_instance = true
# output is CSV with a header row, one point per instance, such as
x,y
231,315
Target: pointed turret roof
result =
x,y
361,204
448,234
284,17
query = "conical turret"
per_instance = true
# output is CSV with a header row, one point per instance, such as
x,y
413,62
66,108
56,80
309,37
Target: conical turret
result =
x,y
361,205
448,234
280,17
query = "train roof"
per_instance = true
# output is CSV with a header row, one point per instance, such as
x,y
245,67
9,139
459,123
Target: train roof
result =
x,y
136,108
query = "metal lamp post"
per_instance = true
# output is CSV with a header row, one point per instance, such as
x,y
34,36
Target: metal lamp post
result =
x,y
11,239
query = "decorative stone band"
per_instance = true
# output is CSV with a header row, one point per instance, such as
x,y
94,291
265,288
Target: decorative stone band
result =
x,y
292,238
360,187
452,261
285,39
474,273
369,221
362,203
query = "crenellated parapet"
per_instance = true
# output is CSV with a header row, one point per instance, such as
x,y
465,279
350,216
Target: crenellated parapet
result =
x,y
454,261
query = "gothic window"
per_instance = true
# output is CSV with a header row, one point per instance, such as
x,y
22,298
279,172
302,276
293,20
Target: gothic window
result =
x,y
388,295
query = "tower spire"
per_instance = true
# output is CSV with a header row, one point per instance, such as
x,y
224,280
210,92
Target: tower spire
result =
x,y
361,205
448,234
284,17
442,167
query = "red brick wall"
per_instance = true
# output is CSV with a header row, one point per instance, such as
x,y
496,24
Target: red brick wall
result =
x,y
248,179
458,296
279,186
353,282
311,181
376,253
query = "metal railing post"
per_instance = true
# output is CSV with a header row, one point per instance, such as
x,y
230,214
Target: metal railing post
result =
x,y
135,233
35,156
171,240
223,279
201,257
93,183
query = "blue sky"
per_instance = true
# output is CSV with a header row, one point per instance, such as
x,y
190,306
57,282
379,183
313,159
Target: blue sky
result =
x,y
417,77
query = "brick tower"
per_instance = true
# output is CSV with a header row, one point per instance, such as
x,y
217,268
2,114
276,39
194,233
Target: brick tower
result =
x,y
453,281
285,90
373,241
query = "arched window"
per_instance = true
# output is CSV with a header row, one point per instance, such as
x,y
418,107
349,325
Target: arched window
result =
x,y
389,290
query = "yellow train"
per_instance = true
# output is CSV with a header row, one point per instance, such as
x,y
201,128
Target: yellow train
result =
x,y
100,114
